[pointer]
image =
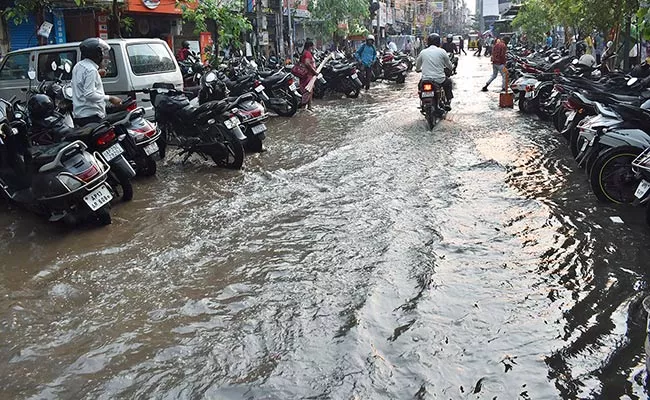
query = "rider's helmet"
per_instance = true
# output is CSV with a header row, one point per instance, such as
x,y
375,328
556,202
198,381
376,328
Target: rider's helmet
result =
x,y
433,40
95,49
450,38
371,37
185,44
40,106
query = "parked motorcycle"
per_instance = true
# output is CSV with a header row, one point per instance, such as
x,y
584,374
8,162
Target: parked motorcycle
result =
x,y
195,130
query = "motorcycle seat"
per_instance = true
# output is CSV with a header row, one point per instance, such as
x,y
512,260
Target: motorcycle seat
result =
x,y
80,133
215,105
341,68
42,155
273,79
266,74
114,117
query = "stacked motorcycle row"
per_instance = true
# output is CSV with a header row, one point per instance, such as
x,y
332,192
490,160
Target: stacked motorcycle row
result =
x,y
603,114
74,175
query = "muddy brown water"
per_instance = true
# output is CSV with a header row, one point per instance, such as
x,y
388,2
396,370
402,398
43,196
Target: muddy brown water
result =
x,y
360,257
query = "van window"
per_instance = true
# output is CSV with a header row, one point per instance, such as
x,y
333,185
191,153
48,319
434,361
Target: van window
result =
x,y
15,67
150,58
45,60
110,65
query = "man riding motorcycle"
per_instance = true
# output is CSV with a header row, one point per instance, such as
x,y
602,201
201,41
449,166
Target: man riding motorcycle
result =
x,y
435,65
449,45
88,97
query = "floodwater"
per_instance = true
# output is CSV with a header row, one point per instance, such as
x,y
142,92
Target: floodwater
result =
x,y
360,257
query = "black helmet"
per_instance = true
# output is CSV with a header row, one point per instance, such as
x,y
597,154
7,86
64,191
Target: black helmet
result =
x,y
94,49
40,106
185,44
450,38
433,40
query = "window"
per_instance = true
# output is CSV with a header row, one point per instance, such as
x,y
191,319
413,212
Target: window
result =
x,y
15,67
150,58
109,64
45,60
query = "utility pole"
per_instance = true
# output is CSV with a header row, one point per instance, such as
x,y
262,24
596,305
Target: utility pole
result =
x,y
289,12
260,25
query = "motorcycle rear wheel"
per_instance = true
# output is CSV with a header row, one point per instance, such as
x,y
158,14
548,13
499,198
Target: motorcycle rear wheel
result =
x,y
612,178
353,93
148,167
103,216
290,110
233,158
431,117
118,179
401,79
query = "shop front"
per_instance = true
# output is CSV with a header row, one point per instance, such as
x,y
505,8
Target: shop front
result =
x,y
160,19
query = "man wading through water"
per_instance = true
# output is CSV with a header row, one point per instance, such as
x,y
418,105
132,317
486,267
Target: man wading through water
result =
x,y
367,54
498,63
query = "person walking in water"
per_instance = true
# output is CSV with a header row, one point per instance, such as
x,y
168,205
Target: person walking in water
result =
x,y
307,62
367,54
461,46
498,63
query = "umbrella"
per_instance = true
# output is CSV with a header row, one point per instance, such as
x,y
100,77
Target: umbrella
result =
x,y
488,32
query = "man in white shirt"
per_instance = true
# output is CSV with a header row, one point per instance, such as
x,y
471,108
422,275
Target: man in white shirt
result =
x,y
432,62
88,97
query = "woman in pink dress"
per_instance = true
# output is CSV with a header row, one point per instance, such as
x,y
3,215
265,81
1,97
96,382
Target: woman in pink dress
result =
x,y
307,60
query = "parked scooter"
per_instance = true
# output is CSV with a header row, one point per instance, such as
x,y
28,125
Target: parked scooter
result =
x,y
62,182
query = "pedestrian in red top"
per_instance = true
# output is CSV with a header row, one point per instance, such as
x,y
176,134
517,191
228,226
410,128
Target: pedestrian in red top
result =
x,y
499,63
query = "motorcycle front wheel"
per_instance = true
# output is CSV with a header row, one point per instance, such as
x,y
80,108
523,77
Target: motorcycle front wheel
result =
x,y
612,178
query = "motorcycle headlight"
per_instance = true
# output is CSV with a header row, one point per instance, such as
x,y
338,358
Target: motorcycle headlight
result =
x,y
70,182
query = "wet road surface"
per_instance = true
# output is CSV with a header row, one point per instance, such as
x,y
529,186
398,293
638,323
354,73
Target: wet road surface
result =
x,y
360,257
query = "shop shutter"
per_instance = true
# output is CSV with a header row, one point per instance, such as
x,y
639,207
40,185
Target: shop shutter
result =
x,y
22,35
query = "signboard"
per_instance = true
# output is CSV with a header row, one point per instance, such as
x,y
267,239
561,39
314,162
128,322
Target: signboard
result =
x,y
45,29
102,26
438,7
382,15
205,40
390,17
156,7
59,27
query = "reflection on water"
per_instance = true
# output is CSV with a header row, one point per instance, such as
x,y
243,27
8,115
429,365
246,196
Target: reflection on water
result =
x,y
361,256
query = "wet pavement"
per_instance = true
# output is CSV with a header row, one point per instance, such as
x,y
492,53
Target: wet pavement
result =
x,y
360,257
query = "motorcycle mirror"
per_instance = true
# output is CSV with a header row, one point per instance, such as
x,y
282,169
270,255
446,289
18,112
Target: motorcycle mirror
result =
x,y
210,77
632,81
67,68
31,74
54,66
575,61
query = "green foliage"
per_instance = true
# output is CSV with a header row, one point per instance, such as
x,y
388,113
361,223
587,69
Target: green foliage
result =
x,y
534,19
23,8
329,13
581,16
229,21
127,24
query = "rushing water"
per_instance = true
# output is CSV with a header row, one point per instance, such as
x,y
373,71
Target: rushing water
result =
x,y
360,257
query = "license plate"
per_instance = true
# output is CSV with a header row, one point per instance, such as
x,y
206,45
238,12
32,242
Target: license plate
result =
x,y
98,198
643,188
259,88
257,129
112,152
354,76
293,86
428,94
151,148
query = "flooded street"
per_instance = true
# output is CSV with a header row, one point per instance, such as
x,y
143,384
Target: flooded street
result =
x,y
360,257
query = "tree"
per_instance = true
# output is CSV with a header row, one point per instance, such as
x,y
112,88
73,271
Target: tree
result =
x,y
227,19
534,19
330,13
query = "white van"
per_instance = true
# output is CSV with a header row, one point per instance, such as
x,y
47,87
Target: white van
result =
x,y
132,65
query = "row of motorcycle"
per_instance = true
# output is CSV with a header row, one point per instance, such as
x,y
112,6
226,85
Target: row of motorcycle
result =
x,y
603,115
74,175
